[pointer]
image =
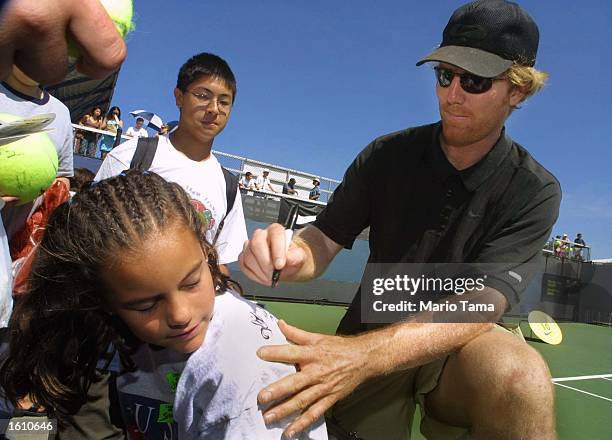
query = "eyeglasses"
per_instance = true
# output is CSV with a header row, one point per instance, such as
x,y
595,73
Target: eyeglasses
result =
x,y
206,98
469,82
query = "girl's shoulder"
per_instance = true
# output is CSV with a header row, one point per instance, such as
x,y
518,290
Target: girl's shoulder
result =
x,y
238,311
240,324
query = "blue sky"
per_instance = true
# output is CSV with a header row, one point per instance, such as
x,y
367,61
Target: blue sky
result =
x,y
318,80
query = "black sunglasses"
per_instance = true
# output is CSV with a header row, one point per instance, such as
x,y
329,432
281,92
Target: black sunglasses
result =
x,y
469,82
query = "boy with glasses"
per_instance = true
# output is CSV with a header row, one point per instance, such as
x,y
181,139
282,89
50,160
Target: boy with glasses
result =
x,y
472,195
204,93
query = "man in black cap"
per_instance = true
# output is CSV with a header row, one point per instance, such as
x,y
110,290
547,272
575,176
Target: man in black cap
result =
x,y
463,192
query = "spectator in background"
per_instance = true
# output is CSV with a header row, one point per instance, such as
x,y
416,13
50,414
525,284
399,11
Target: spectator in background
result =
x,y
22,96
80,178
113,124
315,192
558,245
566,246
288,188
579,245
89,142
163,131
263,181
137,131
247,181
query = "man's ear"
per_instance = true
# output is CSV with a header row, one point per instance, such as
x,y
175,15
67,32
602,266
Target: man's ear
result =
x,y
517,95
178,97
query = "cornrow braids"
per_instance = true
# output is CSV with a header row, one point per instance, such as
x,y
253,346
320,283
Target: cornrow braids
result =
x,y
62,327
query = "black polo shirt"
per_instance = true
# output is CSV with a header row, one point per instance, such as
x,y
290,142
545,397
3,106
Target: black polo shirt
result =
x,y
421,209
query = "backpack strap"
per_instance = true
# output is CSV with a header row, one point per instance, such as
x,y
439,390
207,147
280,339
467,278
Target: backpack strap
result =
x,y
231,189
144,154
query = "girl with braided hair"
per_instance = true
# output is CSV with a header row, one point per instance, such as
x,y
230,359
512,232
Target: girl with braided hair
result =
x,y
126,266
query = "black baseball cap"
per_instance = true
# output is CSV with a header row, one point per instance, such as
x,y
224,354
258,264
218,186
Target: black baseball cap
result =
x,y
486,37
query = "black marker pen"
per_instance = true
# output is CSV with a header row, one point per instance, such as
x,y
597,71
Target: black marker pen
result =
x,y
289,225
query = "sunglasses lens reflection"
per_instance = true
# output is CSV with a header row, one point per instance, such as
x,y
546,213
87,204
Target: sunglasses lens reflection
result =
x,y
469,82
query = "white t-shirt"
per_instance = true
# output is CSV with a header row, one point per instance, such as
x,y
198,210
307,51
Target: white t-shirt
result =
x,y
141,132
263,183
248,184
203,181
216,397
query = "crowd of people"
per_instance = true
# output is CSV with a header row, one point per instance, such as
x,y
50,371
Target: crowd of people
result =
x,y
563,247
97,145
262,183
130,302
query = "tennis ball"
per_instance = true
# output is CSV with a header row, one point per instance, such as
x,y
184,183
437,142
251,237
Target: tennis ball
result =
x,y
121,12
28,166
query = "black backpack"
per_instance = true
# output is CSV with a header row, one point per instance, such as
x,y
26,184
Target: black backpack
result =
x,y
143,158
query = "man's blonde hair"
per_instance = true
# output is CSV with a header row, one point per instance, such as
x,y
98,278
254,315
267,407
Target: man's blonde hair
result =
x,y
528,79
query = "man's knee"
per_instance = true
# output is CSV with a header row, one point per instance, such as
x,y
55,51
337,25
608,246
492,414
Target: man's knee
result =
x,y
506,369
524,376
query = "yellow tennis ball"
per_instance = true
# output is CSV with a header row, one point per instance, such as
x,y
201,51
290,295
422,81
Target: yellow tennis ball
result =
x,y
121,12
28,165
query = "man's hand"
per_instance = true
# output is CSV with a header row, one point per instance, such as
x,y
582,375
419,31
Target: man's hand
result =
x,y
33,36
266,251
309,254
328,369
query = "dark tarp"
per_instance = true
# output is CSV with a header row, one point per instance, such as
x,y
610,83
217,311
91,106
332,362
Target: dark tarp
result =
x,y
80,93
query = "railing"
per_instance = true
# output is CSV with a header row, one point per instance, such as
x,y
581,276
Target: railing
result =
x,y
83,148
278,175
239,165
263,194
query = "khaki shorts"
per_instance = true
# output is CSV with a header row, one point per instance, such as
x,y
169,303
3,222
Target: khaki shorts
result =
x,y
383,408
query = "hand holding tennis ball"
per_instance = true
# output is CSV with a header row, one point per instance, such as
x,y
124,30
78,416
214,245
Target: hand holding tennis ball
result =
x,y
28,165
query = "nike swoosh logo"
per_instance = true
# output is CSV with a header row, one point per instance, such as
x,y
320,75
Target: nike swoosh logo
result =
x,y
472,214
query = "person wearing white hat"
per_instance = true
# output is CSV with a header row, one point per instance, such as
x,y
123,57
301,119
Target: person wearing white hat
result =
x,y
263,182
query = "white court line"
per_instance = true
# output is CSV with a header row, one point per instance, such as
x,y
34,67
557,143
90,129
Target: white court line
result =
x,y
607,378
595,376
582,391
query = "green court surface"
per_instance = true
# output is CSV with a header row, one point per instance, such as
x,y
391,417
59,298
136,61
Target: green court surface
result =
x,y
583,397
